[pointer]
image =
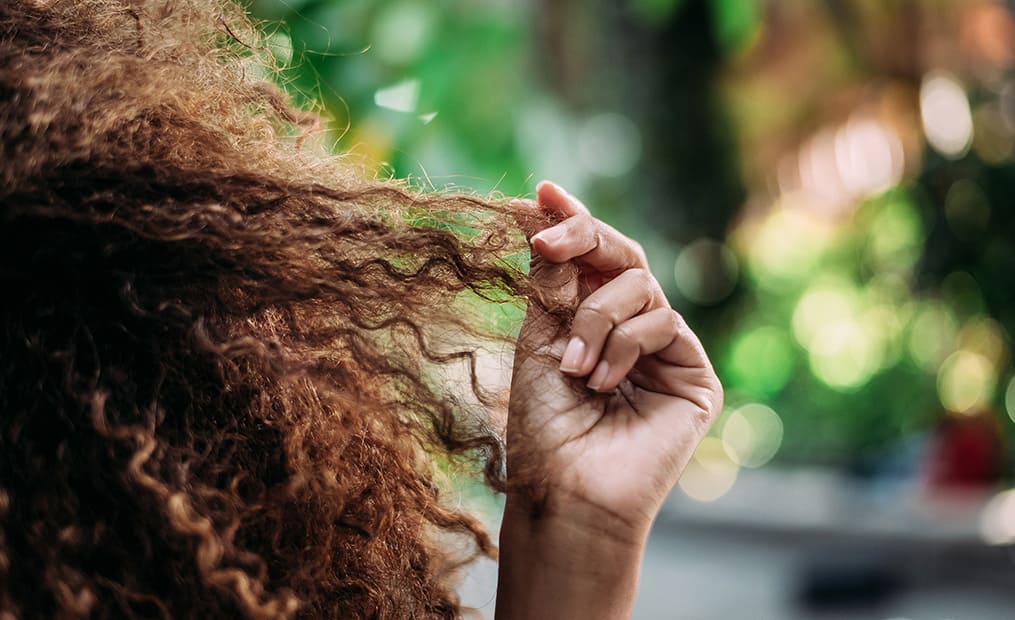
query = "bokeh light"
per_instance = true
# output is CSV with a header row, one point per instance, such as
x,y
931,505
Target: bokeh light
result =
x,y
400,31
993,142
819,173
987,337
752,434
997,522
966,382
846,338
845,355
932,335
546,136
706,271
947,119
1009,399
608,144
896,234
783,246
711,473
962,292
868,156
967,209
761,360
830,301
885,325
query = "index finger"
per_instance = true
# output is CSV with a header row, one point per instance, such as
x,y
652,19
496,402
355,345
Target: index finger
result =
x,y
589,242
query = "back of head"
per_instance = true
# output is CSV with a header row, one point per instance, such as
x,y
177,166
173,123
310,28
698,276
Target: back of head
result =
x,y
212,391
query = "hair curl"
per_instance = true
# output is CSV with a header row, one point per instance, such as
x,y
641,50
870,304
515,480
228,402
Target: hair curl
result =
x,y
217,356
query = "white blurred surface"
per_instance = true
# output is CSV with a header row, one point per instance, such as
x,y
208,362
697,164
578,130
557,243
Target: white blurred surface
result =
x,y
749,554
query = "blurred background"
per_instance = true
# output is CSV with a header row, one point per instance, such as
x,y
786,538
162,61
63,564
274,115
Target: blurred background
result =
x,y
824,188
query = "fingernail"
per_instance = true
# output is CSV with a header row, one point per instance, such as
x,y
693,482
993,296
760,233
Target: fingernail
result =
x,y
573,355
519,203
599,375
549,236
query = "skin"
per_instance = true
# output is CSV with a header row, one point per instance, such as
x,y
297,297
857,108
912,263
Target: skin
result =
x,y
610,451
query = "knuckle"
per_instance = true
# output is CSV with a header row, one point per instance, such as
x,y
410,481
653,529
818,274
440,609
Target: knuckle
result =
x,y
638,250
585,227
642,280
584,221
711,395
642,276
650,282
572,226
622,344
623,334
718,395
674,322
705,416
593,312
605,231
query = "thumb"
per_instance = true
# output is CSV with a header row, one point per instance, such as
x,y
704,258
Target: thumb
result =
x,y
532,218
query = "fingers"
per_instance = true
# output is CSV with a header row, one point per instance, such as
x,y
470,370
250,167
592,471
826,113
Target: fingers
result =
x,y
552,196
661,333
530,215
632,292
698,385
590,243
625,324
580,237
549,197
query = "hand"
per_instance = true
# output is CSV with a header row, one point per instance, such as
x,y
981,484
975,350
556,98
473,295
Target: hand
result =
x,y
605,432
618,446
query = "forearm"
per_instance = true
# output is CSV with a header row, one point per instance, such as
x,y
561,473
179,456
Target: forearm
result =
x,y
564,566
607,455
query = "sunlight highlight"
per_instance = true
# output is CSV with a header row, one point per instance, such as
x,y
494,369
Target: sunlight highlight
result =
x,y
947,119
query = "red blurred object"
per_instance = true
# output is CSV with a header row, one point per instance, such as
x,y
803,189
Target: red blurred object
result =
x,y
967,453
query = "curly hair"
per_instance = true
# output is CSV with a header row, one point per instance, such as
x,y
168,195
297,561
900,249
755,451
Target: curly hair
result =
x,y
220,386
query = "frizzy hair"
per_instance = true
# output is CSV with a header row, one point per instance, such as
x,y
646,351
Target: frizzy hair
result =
x,y
218,354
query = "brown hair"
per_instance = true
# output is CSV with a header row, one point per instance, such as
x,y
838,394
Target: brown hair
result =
x,y
218,393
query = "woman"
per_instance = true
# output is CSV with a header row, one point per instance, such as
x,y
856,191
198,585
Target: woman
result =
x,y
218,391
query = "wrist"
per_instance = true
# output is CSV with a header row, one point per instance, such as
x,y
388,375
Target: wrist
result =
x,y
555,514
566,561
